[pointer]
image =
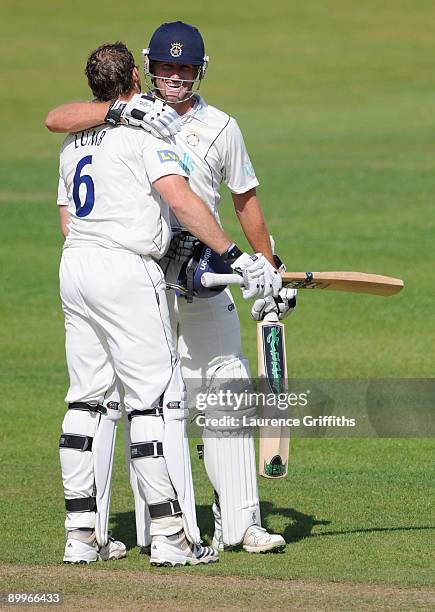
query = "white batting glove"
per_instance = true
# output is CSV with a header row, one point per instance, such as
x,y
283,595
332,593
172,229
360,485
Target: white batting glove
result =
x,y
152,115
282,306
260,279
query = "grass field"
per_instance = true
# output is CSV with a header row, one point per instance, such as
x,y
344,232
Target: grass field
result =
x,y
335,100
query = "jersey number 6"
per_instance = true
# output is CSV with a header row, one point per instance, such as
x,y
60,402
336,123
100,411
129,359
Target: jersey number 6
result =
x,y
82,210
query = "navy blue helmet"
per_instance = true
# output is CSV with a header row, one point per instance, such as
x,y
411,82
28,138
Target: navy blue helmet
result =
x,y
203,260
175,42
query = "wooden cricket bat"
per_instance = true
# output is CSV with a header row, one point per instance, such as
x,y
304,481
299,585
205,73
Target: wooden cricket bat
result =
x,y
272,372
356,282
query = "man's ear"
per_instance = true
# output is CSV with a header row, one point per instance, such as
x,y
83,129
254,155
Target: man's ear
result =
x,y
136,79
136,76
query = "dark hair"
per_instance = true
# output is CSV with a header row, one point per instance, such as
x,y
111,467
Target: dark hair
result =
x,y
109,70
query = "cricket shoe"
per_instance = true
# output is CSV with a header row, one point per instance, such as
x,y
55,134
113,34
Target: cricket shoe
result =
x,y
177,550
80,548
258,540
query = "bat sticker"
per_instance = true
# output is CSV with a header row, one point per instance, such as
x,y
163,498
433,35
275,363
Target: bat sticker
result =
x,y
273,358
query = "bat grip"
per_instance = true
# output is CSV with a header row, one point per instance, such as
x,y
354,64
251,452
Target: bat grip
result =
x,y
210,279
271,317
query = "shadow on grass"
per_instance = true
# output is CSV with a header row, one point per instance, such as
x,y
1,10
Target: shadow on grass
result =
x,y
299,526
123,527
373,530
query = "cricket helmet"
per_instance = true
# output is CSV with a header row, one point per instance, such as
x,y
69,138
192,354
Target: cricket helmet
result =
x,y
203,259
175,42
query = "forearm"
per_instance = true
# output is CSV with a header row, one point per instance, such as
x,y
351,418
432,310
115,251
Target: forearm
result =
x,y
191,211
250,215
76,116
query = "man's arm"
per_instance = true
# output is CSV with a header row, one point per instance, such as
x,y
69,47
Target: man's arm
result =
x,y
63,220
250,215
76,116
191,211
251,219
260,278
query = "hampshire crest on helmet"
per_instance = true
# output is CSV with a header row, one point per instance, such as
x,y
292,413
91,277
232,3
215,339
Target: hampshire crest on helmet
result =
x,y
176,49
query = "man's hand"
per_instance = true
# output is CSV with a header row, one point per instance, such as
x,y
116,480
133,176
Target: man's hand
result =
x,y
260,279
153,115
282,305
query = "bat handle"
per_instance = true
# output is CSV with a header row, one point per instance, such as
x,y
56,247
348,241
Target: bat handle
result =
x,y
271,317
210,279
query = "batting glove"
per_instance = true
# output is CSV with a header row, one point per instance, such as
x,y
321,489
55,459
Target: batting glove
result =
x,y
148,112
260,279
282,306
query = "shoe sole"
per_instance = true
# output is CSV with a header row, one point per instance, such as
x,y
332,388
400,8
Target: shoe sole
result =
x,y
78,562
181,563
264,549
85,562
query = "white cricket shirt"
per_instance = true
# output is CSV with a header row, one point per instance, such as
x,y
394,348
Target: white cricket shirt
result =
x,y
213,152
106,176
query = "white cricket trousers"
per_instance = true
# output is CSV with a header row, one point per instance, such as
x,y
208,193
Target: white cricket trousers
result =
x,y
117,329
117,324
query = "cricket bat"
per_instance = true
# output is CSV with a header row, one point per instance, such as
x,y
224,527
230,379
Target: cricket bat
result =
x,y
272,372
355,282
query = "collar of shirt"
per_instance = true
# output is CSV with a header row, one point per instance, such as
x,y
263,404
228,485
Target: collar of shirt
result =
x,y
197,111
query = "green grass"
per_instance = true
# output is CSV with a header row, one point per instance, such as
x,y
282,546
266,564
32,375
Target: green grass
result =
x,y
335,101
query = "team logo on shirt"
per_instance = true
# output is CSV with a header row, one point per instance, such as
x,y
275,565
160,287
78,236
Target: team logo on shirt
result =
x,y
166,155
192,139
176,49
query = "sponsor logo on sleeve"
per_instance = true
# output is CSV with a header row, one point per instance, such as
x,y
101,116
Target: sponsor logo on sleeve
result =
x,y
166,155
249,170
187,164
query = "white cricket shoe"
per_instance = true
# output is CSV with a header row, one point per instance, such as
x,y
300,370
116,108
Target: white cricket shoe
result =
x,y
113,550
86,550
258,540
177,550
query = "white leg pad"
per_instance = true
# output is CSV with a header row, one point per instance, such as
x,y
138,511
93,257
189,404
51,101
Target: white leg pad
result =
x,y
229,459
103,450
231,467
153,480
141,512
87,473
78,466
177,454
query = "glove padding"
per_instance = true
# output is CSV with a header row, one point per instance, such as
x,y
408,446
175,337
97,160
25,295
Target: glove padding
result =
x,y
152,115
260,279
282,305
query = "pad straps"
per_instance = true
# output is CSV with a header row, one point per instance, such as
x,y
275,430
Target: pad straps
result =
x,y
158,411
146,449
169,508
76,442
81,504
91,407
